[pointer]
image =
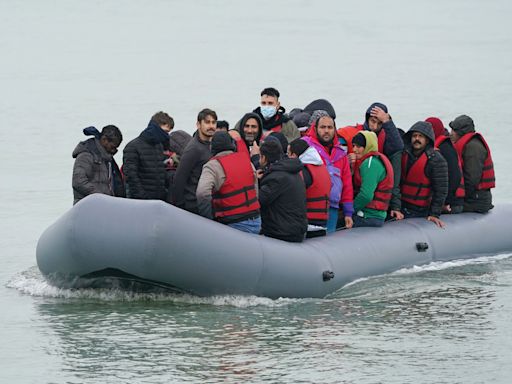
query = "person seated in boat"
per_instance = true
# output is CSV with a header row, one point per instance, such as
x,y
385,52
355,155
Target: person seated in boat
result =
x,y
222,125
227,190
144,160
95,170
322,136
424,184
282,194
378,120
318,186
477,164
455,199
273,116
373,181
195,155
178,140
250,128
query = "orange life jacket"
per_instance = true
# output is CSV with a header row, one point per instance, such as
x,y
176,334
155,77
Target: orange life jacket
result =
x,y
488,180
415,185
460,192
317,195
349,132
236,199
382,194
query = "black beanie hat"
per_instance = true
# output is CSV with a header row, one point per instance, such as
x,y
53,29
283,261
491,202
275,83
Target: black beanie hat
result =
x,y
359,140
221,141
282,140
298,146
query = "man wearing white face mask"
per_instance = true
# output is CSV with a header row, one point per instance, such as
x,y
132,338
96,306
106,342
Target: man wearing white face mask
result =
x,y
274,117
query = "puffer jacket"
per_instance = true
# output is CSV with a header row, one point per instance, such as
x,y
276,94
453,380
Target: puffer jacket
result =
x,y
282,197
143,164
95,171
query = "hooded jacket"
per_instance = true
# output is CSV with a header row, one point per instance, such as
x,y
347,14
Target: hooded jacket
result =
x,y
373,178
282,197
393,142
143,164
335,156
280,122
95,171
435,170
195,155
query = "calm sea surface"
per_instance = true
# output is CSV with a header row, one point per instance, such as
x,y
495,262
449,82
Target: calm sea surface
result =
x,y
65,65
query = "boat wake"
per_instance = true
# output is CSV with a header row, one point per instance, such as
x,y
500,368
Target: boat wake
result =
x,y
33,283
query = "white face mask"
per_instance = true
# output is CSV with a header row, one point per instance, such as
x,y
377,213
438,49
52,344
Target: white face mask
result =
x,y
267,111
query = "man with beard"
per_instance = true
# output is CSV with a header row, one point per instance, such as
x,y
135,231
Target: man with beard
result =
x,y
322,136
195,155
251,129
424,175
143,160
378,120
273,116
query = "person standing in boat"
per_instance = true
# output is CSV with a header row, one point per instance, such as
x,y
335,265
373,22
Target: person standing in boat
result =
x,y
378,120
227,190
477,164
282,194
322,137
424,184
273,116
178,141
95,170
318,186
144,160
195,155
373,181
455,199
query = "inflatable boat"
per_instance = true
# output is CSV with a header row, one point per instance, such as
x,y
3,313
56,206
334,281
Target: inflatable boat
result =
x,y
157,243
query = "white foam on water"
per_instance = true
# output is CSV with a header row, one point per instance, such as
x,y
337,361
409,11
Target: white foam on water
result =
x,y
32,283
442,265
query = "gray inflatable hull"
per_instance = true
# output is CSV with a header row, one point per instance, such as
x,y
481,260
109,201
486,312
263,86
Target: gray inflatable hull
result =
x,y
157,242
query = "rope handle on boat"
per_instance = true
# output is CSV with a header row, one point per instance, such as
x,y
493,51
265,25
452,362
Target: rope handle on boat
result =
x,y
421,247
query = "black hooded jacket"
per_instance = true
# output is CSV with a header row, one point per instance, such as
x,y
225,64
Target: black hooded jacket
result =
x,y
143,164
282,197
255,159
436,169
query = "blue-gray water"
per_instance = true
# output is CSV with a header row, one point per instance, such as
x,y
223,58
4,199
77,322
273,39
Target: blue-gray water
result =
x,y
65,65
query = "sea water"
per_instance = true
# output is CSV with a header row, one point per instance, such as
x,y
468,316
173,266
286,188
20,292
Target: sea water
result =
x,y
66,65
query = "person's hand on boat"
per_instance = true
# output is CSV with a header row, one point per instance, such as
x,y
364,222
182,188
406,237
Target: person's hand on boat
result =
x,y
380,114
348,222
447,208
437,221
396,214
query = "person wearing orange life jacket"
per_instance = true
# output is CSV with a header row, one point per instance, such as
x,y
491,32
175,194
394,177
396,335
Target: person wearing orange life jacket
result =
x,y
378,120
372,180
227,190
477,165
455,199
424,184
318,186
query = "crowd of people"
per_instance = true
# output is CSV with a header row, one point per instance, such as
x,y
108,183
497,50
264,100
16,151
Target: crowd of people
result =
x,y
295,176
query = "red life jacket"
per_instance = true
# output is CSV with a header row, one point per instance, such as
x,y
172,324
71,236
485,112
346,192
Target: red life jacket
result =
x,y
382,194
236,199
487,180
460,192
317,195
415,185
348,133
